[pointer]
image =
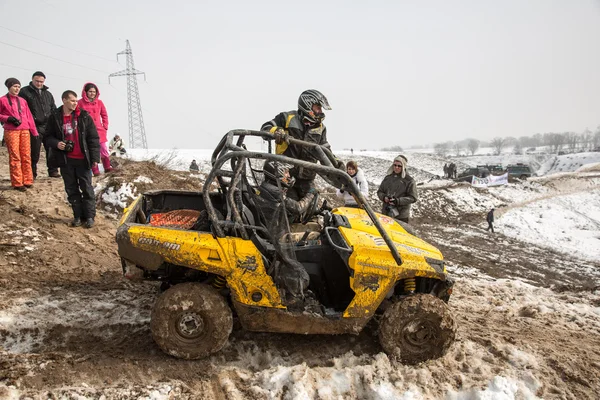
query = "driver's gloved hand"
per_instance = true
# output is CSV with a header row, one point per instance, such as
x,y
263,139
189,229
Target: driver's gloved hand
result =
x,y
312,190
281,136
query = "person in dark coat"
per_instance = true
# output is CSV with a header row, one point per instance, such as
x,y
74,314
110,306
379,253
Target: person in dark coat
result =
x,y
490,220
74,146
41,103
271,194
398,191
306,124
194,167
278,210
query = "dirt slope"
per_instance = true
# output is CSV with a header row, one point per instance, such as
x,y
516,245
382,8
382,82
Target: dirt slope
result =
x,y
70,325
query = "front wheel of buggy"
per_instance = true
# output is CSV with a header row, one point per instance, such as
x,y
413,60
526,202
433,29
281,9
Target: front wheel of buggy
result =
x,y
417,328
191,321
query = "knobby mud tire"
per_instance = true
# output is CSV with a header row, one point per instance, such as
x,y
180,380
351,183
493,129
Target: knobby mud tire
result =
x,y
417,328
198,303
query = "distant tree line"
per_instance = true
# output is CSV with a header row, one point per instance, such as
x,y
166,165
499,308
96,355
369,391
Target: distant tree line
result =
x,y
554,143
392,148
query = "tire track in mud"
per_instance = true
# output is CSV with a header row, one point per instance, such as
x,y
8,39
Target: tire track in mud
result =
x,y
75,318
503,257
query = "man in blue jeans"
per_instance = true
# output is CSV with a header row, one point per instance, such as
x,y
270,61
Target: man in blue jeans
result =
x,y
75,147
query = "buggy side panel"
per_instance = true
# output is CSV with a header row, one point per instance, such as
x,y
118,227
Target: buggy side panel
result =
x,y
375,272
235,259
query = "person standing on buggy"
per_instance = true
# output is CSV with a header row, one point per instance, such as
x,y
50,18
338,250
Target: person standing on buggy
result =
x,y
305,123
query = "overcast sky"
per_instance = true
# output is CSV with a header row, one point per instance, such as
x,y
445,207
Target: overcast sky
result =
x,y
395,72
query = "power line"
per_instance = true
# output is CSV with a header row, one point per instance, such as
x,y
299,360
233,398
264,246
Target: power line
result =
x,y
57,45
49,73
53,58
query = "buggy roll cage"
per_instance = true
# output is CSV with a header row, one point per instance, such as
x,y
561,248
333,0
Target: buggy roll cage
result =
x,y
238,154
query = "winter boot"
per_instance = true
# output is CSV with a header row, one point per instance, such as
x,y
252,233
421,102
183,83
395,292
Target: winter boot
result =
x,y
106,164
96,170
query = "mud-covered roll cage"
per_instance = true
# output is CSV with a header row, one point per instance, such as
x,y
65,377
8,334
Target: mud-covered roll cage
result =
x,y
238,154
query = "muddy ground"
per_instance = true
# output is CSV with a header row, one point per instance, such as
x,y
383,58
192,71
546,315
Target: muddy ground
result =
x,y
71,326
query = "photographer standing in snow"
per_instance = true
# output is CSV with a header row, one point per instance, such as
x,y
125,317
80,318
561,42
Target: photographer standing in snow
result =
x,y
398,191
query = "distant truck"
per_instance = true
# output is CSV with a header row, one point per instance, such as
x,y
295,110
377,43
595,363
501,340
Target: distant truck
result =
x,y
467,174
519,170
496,169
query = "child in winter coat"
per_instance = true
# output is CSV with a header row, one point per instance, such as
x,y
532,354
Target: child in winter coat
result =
x,y
91,103
18,123
360,180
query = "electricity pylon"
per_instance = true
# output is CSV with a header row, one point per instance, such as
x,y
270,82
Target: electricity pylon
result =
x,y
137,133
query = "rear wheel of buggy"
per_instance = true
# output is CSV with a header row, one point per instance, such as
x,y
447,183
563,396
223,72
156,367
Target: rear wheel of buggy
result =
x,y
191,321
417,328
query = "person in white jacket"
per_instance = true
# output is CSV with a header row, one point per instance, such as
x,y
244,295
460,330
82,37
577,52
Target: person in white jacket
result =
x,y
360,180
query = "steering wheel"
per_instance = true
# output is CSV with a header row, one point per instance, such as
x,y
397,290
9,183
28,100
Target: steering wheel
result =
x,y
311,210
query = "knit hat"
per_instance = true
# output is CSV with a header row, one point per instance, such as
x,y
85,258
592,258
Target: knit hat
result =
x,y
10,82
401,159
38,73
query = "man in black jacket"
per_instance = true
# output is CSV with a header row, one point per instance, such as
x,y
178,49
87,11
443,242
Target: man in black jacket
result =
x,y
41,103
74,146
306,124
277,209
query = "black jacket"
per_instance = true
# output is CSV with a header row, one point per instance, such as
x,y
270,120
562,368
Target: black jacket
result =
x,y
269,203
292,123
41,103
403,190
490,216
88,138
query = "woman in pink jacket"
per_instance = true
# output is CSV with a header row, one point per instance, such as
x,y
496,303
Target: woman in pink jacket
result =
x,y
18,122
91,103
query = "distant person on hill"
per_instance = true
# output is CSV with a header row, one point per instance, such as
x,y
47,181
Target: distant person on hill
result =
x,y
359,178
194,167
490,220
75,148
398,191
19,126
90,102
452,171
41,103
446,170
116,144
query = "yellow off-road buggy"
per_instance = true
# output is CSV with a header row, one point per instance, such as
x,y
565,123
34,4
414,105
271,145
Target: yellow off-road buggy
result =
x,y
214,253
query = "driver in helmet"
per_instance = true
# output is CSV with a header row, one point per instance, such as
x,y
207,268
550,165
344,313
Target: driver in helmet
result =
x,y
273,190
306,124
